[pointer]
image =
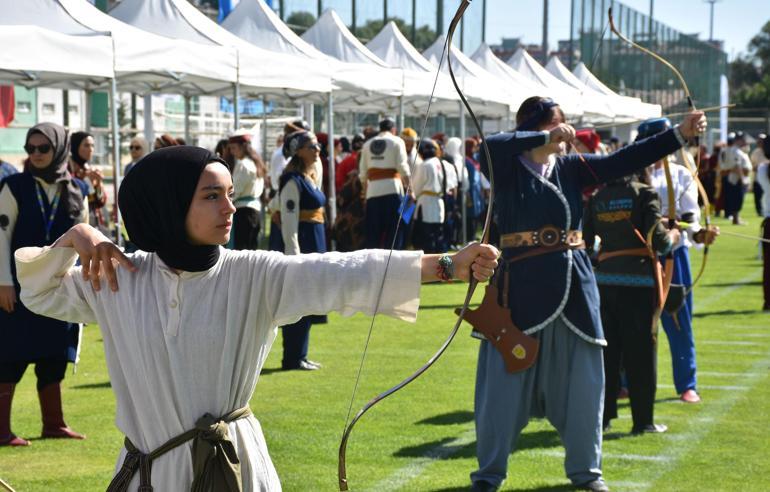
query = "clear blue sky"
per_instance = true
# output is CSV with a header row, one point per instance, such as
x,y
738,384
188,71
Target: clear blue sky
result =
x,y
735,21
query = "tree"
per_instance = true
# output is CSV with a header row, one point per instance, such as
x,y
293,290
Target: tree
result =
x,y
750,74
424,37
759,48
300,21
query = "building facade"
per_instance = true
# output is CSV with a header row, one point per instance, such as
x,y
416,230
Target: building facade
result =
x,y
629,71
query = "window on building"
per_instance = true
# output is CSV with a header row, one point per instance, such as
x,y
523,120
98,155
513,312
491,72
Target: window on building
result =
x,y
73,108
49,108
23,107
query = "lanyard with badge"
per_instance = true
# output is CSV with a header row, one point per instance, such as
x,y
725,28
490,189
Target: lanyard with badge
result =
x,y
49,218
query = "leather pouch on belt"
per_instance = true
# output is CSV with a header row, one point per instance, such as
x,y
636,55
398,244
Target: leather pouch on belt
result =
x,y
519,351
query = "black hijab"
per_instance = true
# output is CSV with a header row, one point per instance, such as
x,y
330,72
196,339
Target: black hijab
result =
x,y
57,171
154,198
75,140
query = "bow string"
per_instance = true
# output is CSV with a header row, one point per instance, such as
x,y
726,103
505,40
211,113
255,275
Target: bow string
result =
x,y
447,51
686,162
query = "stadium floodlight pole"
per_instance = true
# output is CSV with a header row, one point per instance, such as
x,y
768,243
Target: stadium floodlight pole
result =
x,y
711,23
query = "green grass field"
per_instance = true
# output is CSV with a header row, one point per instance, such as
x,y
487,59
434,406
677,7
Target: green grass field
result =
x,y
422,438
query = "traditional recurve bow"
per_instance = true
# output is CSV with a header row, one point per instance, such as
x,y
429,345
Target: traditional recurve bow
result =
x,y
342,470
669,184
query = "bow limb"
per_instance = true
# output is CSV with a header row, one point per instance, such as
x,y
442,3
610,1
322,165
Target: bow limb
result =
x,y
706,212
342,467
691,106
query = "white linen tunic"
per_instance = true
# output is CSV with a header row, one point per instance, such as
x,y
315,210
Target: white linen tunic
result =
x,y
180,346
428,187
247,186
386,151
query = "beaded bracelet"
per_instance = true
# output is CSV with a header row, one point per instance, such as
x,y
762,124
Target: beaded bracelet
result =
x,y
445,269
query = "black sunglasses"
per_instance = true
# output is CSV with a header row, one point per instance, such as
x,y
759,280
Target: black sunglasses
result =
x,y
315,146
43,149
134,147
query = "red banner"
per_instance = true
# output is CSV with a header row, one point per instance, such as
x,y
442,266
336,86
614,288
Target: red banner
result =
x,y
7,105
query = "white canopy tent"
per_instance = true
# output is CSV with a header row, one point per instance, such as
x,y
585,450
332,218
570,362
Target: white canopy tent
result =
x,y
598,103
568,98
44,46
255,22
367,82
145,62
474,80
635,105
520,86
419,74
178,19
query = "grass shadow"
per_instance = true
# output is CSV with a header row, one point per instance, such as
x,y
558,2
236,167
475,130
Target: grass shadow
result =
x,y
438,449
725,312
451,418
545,488
443,450
103,385
447,306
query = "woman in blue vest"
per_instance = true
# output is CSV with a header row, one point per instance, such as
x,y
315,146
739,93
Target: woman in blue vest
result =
x,y
546,280
36,207
303,231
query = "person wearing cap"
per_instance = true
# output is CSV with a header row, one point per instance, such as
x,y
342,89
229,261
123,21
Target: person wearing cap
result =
x,y
546,284
248,186
734,166
757,157
384,172
678,326
410,138
624,214
36,207
188,325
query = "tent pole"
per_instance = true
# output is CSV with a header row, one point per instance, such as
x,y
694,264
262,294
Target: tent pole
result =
x,y
401,112
236,108
330,167
89,107
263,211
187,120
461,201
116,175
149,131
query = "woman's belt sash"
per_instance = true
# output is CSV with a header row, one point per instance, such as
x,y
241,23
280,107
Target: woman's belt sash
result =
x,y
546,236
379,173
215,463
315,216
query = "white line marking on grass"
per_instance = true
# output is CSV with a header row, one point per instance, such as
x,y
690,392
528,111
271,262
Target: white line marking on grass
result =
x,y
747,326
689,441
736,352
559,453
711,387
715,374
399,478
730,342
629,485
404,475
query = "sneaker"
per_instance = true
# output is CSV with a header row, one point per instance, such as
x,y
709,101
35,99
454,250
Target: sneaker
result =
x,y
597,485
306,365
650,429
690,396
